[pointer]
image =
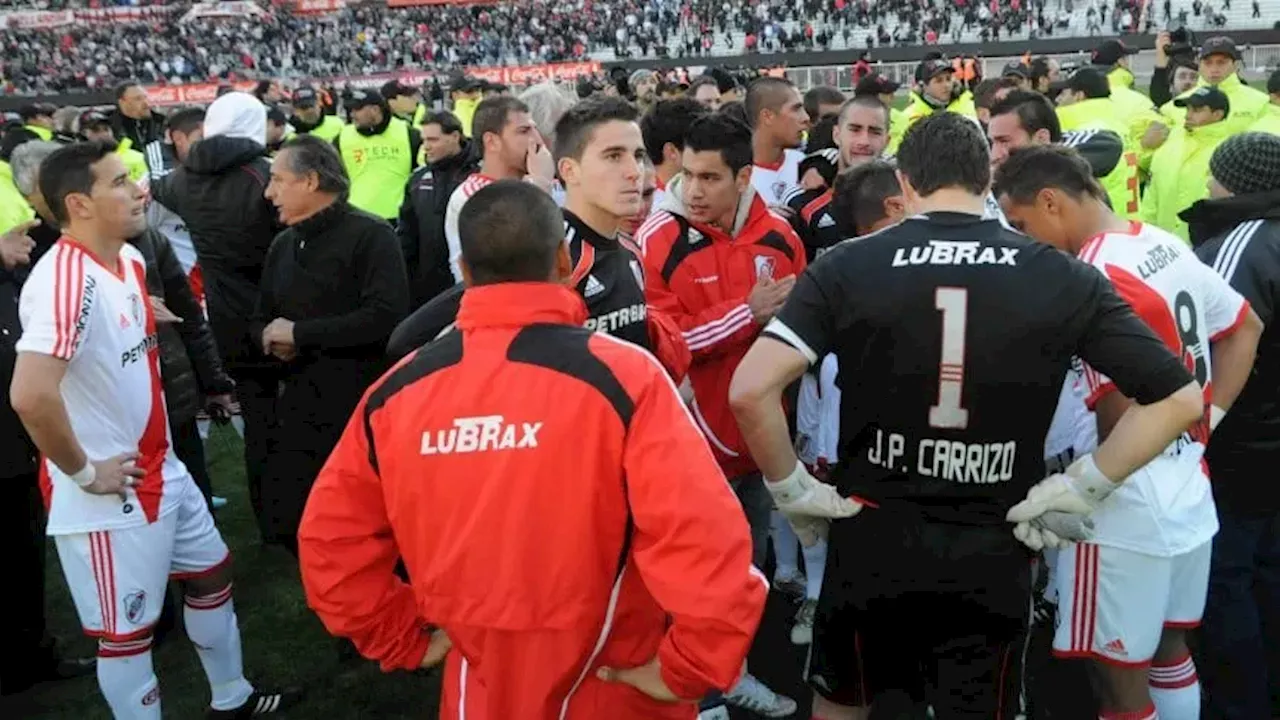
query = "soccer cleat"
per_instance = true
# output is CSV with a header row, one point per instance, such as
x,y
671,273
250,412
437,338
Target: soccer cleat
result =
x,y
802,631
260,703
751,694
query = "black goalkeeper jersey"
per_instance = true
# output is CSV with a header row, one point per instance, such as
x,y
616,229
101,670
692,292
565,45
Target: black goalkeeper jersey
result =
x,y
954,335
813,221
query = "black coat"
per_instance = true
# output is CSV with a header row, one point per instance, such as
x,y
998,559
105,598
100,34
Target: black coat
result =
x,y
340,278
17,452
421,225
218,193
189,361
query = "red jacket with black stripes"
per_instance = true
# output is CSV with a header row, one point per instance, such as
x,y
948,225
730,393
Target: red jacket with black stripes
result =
x,y
556,510
700,276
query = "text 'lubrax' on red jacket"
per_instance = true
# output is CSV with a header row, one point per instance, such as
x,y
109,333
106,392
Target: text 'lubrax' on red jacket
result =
x,y
701,276
556,509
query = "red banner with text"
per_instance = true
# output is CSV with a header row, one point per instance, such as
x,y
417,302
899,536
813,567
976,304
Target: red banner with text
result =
x,y
204,93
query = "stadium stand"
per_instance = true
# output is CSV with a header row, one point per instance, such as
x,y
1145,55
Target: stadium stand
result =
x,y
68,46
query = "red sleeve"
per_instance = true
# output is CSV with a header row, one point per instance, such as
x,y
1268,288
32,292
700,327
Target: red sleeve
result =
x,y
348,556
688,523
668,344
708,331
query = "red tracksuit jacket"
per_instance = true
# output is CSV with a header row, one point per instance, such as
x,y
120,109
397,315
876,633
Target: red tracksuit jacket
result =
x,y
556,509
701,277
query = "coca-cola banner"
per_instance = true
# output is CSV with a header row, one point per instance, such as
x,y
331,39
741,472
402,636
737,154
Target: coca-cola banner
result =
x,y
415,3
317,7
45,19
204,93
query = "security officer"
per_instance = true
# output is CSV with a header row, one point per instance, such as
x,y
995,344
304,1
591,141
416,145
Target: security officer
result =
x,y
1084,103
405,102
309,117
96,126
379,152
936,90
1180,168
1219,68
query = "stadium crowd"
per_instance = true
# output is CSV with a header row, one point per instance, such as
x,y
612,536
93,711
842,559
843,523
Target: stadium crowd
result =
x,y
369,38
393,293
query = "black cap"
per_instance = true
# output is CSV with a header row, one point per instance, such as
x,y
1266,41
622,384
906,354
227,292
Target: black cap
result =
x,y
395,88
1090,81
876,84
360,97
1110,52
1016,69
1220,45
1210,97
94,118
468,84
305,96
276,115
929,69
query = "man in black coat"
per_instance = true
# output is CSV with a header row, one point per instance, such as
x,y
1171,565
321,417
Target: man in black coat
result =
x,y
450,160
218,193
333,288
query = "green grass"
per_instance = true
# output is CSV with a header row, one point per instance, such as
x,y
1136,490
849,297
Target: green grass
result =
x,y
284,643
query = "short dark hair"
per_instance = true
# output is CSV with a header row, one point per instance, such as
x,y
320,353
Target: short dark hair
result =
x,y
185,121
1039,68
765,93
510,231
984,93
736,110
723,134
817,96
69,170
667,122
858,195
448,122
309,154
1029,170
821,135
578,124
700,81
492,114
1034,111
867,101
123,88
1091,82
945,150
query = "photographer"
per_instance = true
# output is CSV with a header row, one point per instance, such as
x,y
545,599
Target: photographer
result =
x,y
1175,56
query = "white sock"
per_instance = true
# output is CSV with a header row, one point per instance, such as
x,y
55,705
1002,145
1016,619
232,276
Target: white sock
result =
x,y
1175,689
786,547
212,628
128,679
815,562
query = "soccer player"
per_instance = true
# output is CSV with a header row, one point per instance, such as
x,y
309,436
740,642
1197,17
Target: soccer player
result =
x,y
861,134
961,332
720,263
510,147
778,121
123,510
867,198
664,127
1128,596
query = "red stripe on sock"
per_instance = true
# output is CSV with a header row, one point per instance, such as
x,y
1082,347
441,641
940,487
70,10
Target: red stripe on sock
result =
x,y
1148,714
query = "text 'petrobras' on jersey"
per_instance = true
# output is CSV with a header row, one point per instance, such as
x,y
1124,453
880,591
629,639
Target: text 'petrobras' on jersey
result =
x,y
950,460
139,351
955,252
480,434
611,322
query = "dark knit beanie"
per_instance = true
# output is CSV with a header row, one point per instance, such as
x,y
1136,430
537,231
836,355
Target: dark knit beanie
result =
x,y
1247,163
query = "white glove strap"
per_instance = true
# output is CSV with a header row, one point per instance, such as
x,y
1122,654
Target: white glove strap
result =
x,y
85,476
1215,416
790,488
1089,481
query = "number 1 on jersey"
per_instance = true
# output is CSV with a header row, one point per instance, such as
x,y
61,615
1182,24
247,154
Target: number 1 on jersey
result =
x,y
953,303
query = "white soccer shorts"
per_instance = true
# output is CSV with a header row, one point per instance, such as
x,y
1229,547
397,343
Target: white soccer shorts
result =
x,y
1114,604
118,577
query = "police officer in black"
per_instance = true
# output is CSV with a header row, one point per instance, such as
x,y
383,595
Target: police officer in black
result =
x,y
954,335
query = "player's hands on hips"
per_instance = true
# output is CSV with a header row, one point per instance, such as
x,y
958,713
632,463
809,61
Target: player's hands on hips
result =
x,y
115,475
1078,491
647,679
437,649
1054,530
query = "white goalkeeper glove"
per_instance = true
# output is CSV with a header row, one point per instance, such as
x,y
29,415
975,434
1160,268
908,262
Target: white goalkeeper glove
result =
x,y
809,504
1078,491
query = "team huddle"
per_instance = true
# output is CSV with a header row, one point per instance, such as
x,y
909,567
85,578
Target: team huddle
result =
x,y
942,383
